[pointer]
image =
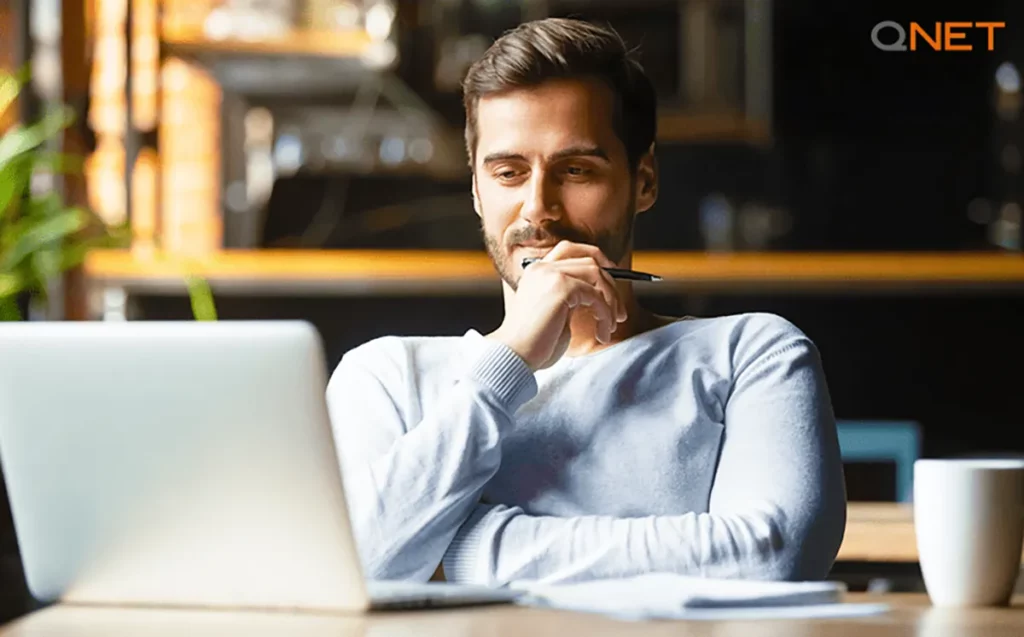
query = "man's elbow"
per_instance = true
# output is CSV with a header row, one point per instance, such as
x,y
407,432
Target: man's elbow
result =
x,y
810,551
394,563
391,554
409,552
787,549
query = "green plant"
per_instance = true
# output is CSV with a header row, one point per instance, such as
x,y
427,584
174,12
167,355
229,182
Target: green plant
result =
x,y
201,297
40,236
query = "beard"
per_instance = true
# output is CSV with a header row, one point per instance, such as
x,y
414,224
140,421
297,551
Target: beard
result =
x,y
614,243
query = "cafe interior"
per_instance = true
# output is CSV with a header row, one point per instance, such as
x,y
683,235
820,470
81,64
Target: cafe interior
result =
x,y
304,159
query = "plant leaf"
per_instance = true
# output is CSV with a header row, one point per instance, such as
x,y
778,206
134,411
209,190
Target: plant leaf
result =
x,y
9,89
22,139
42,233
44,206
46,265
74,255
14,179
9,309
116,236
201,297
10,284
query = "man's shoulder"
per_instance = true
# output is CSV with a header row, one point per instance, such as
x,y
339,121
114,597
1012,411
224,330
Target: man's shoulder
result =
x,y
748,327
744,337
409,355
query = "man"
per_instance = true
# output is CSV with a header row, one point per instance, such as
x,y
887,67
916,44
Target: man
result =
x,y
585,437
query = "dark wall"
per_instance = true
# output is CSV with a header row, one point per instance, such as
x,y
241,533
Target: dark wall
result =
x,y
884,150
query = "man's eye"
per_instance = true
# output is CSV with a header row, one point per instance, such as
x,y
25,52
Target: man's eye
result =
x,y
576,171
506,174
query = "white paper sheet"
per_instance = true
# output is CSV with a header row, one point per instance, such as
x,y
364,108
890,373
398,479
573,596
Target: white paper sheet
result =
x,y
664,595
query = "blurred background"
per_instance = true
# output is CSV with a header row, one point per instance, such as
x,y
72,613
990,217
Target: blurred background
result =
x,y
306,157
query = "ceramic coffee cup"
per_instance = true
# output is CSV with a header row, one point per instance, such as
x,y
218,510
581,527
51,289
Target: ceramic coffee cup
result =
x,y
969,522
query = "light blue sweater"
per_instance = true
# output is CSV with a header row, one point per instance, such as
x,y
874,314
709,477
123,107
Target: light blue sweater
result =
x,y
704,447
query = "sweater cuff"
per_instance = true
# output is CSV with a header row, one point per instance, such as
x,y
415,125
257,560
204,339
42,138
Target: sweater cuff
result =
x,y
460,559
501,370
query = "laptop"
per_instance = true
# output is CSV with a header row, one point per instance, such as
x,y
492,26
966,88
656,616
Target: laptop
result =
x,y
184,464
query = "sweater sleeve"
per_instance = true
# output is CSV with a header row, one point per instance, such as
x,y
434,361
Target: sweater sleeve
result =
x,y
410,485
777,508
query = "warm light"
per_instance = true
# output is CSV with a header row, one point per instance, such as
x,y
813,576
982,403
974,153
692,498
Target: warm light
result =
x,y
379,19
345,15
218,25
190,138
259,127
380,55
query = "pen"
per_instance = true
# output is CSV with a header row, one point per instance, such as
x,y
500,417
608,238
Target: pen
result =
x,y
617,273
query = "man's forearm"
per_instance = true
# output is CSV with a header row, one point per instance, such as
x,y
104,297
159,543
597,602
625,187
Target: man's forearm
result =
x,y
409,491
776,510
499,544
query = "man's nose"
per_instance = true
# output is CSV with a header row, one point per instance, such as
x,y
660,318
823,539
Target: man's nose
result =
x,y
542,201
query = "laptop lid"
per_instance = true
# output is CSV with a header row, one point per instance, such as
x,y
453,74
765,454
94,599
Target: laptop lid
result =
x,y
175,463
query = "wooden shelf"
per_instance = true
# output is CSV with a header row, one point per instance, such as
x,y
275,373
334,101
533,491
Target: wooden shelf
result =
x,y
362,272
674,125
695,127
333,44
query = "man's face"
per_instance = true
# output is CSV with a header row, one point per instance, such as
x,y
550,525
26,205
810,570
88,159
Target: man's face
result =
x,y
549,167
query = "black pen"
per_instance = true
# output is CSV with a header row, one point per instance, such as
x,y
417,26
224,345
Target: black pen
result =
x,y
617,273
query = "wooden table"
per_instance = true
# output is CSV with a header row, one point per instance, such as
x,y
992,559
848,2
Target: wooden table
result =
x,y
911,616
879,532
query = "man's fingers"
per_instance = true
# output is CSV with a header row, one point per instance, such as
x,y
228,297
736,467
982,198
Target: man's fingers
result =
x,y
585,269
568,250
618,307
583,294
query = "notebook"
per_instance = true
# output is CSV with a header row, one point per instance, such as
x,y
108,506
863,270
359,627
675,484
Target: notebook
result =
x,y
666,595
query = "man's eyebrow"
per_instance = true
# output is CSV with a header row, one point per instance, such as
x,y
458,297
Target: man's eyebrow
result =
x,y
580,151
573,151
493,157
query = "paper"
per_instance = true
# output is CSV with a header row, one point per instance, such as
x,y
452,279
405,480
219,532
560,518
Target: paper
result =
x,y
822,611
665,595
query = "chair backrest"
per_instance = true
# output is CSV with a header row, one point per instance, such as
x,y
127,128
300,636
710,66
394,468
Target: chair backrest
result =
x,y
898,441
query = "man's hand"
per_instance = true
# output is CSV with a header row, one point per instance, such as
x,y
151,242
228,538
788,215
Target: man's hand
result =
x,y
567,279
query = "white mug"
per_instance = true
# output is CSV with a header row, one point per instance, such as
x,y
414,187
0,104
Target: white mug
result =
x,y
969,522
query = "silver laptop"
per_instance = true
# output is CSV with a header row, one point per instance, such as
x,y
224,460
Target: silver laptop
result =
x,y
183,464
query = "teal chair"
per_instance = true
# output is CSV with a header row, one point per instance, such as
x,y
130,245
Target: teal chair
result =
x,y
883,441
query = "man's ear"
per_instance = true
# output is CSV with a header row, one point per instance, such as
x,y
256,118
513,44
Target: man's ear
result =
x,y
476,199
646,181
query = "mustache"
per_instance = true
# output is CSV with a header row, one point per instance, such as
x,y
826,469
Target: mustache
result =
x,y
549,234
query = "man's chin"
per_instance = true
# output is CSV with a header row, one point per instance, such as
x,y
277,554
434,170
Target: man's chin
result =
x,y
511,274
508,269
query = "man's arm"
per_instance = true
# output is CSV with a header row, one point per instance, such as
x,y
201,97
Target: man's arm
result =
x,y
412,479
777,508
410,485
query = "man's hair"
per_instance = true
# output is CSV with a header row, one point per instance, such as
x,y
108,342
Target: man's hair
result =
x,y
559,48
